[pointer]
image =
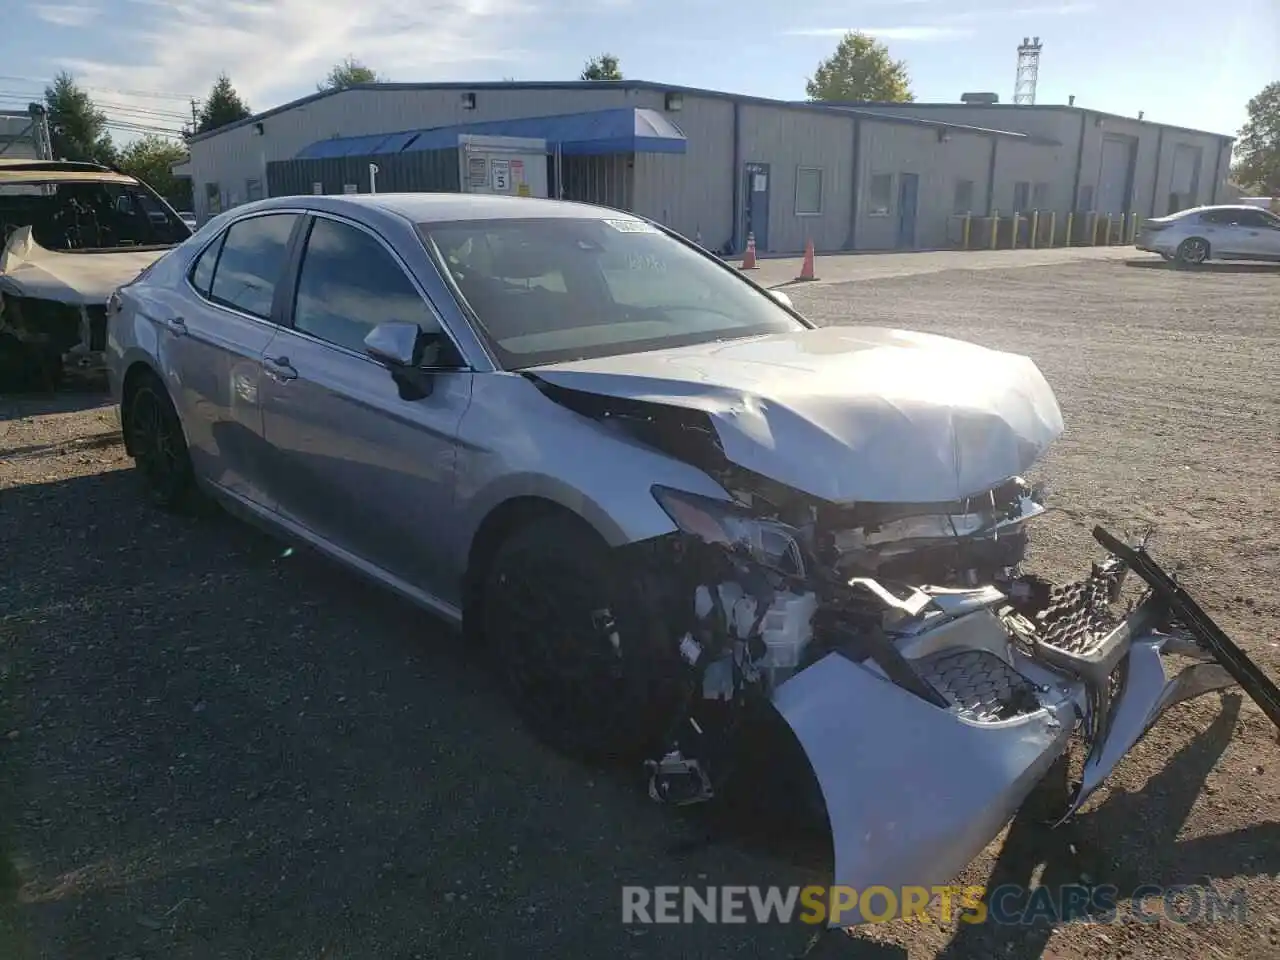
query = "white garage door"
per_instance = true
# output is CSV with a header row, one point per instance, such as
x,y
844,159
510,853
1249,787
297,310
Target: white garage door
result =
x,y
1114,174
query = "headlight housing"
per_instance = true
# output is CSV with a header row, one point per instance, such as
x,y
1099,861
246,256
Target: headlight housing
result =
x,y
770,542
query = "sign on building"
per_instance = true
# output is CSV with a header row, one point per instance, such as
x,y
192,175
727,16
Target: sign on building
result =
x,y
502,175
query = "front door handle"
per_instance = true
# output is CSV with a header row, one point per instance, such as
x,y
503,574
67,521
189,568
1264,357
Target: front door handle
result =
x,y
280,368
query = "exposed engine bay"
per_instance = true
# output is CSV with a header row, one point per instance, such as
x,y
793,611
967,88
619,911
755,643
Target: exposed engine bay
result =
x,y
70,234
887,634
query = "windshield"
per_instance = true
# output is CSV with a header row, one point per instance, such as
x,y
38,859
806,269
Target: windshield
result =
x,y
557,289
88,215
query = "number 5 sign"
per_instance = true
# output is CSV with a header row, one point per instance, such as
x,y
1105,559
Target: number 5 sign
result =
x,y
501,175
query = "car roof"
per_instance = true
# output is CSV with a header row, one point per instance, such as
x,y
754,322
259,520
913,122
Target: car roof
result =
x,y
16,170
1222,206
452,207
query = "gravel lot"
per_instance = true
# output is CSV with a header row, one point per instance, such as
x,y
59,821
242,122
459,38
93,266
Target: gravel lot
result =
x,y
217,747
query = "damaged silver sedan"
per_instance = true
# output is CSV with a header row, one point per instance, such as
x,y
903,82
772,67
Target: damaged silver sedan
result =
x,y
663,501
70,233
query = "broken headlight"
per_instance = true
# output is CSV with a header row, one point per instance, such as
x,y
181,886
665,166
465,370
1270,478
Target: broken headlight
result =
x,y
727,523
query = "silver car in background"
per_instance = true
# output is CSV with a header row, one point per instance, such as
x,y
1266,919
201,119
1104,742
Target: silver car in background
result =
x,y
666,503
1227,232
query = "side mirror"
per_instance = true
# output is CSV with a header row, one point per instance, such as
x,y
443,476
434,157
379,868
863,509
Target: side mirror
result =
x,y
408,352
782,298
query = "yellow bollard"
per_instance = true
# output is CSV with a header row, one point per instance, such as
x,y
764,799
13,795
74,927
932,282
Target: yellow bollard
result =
x,y
964,230
1093,233
1133,228
1013,235
1071,223
1053,223
995,227
1035,225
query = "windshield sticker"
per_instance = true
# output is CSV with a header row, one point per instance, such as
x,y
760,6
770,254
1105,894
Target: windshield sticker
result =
x,y
631,226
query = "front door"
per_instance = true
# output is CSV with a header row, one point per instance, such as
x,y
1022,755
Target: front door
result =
x,y
212,344
757,204
908,192
357,465
1258,235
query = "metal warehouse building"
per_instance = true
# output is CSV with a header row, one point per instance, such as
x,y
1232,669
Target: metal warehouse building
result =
x,y
717,165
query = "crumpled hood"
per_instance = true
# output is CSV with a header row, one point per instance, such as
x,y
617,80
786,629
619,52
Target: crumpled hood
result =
x,y
848,413
29,270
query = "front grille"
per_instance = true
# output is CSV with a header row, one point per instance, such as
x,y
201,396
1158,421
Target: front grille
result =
x,y
980,684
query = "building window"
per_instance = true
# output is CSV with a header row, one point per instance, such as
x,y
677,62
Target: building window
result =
x,y
808,191
1085,201
1040,197
963,202
252,190
1021,195
880,195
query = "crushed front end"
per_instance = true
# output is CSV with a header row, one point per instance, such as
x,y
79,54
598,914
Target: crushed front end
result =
x,y
929,682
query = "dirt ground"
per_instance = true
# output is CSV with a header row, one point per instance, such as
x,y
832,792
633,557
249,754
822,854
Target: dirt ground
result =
x,y
212,746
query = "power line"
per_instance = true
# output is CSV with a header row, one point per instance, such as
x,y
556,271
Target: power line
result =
x,y
106,106
149,94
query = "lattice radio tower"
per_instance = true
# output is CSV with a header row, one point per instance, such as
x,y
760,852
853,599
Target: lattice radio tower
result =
x,y
1024,88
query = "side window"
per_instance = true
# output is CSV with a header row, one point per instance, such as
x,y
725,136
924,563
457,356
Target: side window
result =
x,y
880,195
349,284
1253,219
1215,217
202,272
253,257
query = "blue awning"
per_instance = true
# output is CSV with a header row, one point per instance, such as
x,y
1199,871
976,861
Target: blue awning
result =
x,y
621,130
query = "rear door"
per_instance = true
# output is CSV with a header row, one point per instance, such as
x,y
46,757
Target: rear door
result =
x,y
214,345
368,472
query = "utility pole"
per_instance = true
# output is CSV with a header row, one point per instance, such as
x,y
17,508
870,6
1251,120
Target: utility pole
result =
x,y
195,116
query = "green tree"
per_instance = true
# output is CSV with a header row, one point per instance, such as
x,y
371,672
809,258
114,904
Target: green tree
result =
x,y
860,69
603,67
77,128
151,160
347,74
1258,147
222,106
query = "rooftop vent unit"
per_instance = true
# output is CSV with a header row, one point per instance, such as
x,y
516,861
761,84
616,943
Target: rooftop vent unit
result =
x,y
979,98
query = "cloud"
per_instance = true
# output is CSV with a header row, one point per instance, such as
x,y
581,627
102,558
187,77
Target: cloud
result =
x,y
920,32
66,14
949,26
275,50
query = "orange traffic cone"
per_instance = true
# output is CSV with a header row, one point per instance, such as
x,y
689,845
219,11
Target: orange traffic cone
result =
x,y
806,268
749,259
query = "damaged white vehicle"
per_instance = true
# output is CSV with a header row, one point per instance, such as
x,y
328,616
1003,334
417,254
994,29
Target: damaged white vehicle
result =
x,y
664,500
70,233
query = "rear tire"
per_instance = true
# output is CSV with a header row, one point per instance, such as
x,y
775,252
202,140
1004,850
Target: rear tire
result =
x,y
159,447
1193,251
549,594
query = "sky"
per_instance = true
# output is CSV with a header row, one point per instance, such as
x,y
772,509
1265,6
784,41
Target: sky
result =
x,y
1182,62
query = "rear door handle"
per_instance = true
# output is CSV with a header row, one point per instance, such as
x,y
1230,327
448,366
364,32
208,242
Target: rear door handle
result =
x,y
280,368
177,326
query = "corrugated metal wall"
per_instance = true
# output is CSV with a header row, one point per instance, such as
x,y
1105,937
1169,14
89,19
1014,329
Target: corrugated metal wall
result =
x,y
892,149
605,180
790,139
417,171
692,192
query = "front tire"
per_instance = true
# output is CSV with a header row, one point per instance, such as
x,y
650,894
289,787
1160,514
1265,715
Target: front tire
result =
x,y
580,657
159,447
1193,251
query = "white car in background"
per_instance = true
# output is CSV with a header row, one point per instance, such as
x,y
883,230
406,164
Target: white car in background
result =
x,y
1228,232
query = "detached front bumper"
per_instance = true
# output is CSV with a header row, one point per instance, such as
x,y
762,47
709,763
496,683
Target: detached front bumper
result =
x,y
915,789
